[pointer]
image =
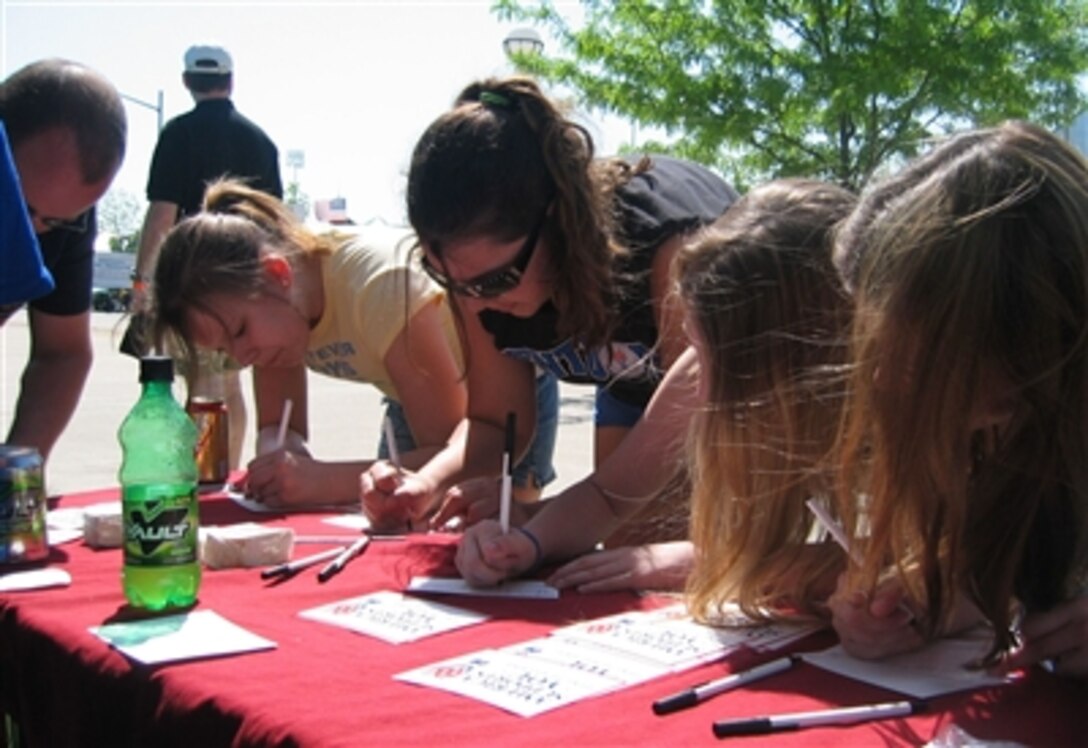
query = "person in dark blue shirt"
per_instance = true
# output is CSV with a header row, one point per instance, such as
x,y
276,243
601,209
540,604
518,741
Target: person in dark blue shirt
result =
x,y
67,130
25,275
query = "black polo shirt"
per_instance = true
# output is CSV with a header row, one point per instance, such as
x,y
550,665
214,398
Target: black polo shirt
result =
x,y
211,141
672,197
69,255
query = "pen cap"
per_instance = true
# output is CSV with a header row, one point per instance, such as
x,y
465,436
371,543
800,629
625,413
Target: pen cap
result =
x,y
736,727
671,704
511,431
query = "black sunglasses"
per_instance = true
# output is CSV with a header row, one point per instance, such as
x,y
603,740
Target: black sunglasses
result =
x,y
494,282
76,225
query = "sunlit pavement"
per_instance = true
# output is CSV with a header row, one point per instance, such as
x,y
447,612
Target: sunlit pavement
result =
x,y
345,418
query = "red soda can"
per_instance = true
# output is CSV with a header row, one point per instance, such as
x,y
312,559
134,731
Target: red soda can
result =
x,y
213,439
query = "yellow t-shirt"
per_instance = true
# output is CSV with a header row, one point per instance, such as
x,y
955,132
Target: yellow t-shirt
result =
x,y
371,292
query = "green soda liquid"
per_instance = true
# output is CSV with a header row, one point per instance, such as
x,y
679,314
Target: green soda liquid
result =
x,y
161,568
159,507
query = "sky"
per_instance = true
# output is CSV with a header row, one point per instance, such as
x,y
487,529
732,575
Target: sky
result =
x,y
350,84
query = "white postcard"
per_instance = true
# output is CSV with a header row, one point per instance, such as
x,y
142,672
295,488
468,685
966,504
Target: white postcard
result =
x,y
525,686
66,523
358,522
393,617
35,579
624,668
184,636
527,588
677,643
252,505
945,666
594,657
761,636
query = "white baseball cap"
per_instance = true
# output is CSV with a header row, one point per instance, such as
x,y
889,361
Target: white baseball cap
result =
x,y
207,58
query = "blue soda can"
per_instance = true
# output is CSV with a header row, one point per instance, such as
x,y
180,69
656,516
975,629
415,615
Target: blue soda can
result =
x,y
22,506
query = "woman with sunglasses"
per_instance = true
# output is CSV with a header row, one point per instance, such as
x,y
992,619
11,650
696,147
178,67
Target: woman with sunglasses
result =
x,y
243,276
555,260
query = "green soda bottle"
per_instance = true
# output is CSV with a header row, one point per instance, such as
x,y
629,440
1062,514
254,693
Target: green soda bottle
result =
x,y
159,506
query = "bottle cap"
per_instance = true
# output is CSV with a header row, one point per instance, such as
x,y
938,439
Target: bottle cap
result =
x,y
156,369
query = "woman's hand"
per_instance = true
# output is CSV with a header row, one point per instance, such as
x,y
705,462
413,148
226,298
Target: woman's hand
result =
x,y
659,566
394,499
485,556
1059,635
467,503
874,626
268,441
284,479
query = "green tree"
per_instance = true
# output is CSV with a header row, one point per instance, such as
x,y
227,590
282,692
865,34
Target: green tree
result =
x,y
827,88
120,214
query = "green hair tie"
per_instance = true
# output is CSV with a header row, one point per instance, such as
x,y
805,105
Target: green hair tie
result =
x,y
493,99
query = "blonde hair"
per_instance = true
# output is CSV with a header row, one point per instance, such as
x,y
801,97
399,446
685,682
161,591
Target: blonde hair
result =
x,y
970,267
764,295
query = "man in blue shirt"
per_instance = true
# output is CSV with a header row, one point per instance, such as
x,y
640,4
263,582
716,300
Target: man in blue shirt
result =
x,y
66,125
24,275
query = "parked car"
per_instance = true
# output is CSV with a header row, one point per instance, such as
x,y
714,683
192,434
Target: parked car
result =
x,y
111,299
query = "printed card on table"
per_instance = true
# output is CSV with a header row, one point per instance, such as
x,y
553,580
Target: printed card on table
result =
x,y
763,636
675,643
945,666
252,505
34,579
671,637
185,636
524,588
393,617
349,521
624,668
66,523
525,686
594,657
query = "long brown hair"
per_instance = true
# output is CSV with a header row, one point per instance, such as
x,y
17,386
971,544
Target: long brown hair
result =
x,y
766,300
494,163
970,269
218,251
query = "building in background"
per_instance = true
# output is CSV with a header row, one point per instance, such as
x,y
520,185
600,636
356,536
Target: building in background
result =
x,y
333,211
112,280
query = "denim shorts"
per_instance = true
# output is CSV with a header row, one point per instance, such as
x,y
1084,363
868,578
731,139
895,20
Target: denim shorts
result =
x,y
611,411
535,469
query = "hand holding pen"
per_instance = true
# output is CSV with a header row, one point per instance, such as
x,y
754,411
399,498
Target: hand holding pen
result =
x,y
869,626
391,443
506,487
285,422
388,493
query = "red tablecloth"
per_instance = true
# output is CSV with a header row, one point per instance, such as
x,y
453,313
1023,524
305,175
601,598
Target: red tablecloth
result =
x,y
326,686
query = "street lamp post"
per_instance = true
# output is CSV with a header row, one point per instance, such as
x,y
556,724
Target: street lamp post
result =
x,y
522,41
157,108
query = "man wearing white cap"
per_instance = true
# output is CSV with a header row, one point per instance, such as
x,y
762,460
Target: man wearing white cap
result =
x,y
211,140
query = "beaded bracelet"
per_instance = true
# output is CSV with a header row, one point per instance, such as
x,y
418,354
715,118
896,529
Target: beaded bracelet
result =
x,y
539,557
